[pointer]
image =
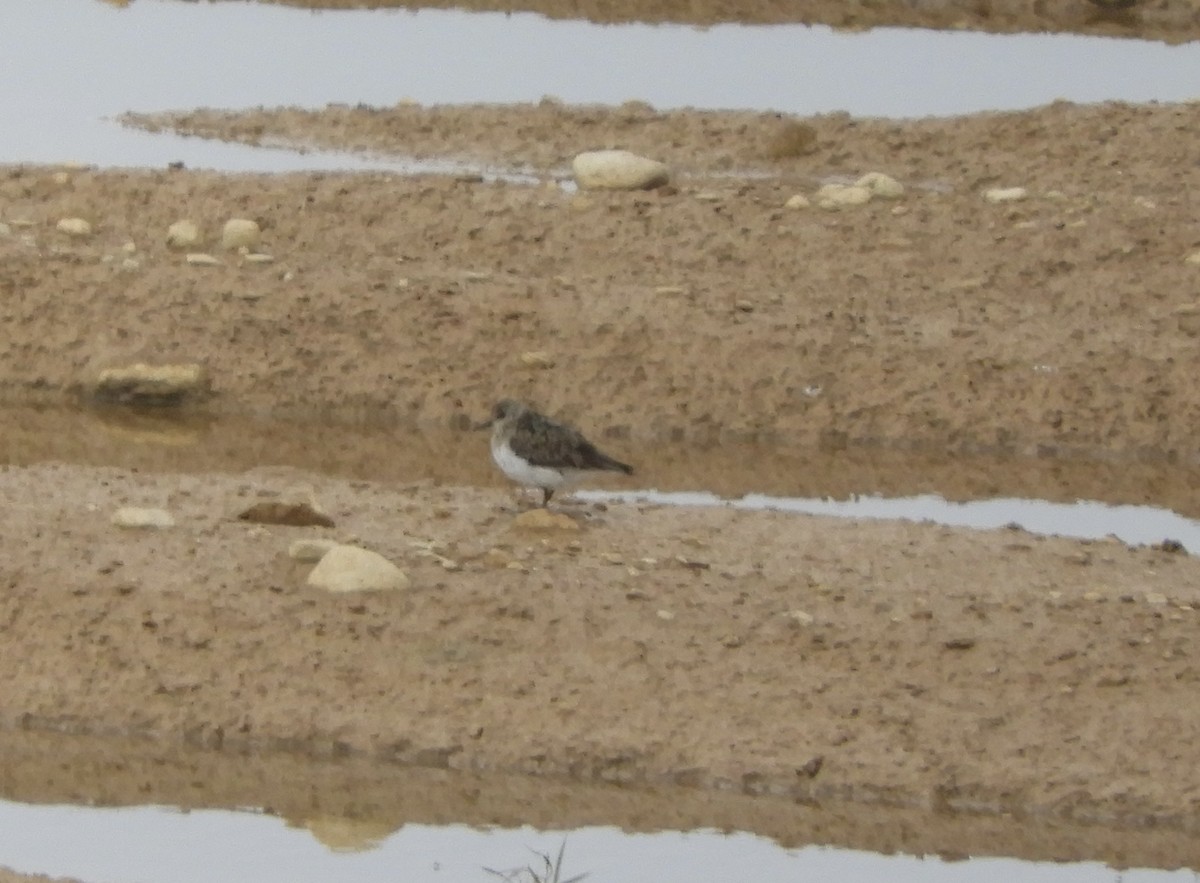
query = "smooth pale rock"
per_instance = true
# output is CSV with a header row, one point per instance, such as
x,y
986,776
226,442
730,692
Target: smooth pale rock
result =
x,y
145,384
835,196
801,617
537,359
1193,258
545,520
310,550
797,201
351,569
258,258
200,259
239,233
76,227
184,234
881,185
618,170
135,517
1005,194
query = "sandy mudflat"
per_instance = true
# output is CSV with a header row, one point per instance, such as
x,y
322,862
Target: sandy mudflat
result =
x,y
792,659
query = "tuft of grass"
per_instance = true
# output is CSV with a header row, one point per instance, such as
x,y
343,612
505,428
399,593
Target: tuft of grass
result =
x,y
550,872
793,138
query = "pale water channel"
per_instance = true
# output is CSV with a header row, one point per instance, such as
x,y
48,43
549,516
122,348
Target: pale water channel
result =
x,y
70,66
159,844
1083,519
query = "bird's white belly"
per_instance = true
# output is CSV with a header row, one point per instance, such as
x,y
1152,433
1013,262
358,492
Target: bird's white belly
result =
x,y
524,473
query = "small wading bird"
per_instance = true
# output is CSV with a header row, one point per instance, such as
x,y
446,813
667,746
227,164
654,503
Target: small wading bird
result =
x,y
535,451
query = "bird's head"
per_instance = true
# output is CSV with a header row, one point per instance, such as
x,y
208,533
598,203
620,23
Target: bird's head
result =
x,y
502,410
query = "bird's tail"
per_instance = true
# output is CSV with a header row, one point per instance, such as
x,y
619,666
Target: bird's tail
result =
x,y
616,465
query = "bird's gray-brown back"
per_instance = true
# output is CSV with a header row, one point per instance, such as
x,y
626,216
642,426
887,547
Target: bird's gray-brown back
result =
x,y
545,442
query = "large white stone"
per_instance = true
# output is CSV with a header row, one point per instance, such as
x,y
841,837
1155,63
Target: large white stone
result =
x,y
351,569
618,170
240,233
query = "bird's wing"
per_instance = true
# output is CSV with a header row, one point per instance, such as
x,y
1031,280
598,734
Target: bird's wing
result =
x,y
543,442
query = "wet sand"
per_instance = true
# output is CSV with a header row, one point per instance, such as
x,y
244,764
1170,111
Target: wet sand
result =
x,y
863,668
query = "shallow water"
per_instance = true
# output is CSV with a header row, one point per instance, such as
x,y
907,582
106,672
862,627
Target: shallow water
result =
x,y
1139,503
74,66
1083,519
172,846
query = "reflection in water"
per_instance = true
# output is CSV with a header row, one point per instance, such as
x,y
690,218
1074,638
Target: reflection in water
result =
x,y
158,55
170,846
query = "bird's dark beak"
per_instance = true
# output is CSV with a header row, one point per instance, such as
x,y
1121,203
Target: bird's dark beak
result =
x,y
486,424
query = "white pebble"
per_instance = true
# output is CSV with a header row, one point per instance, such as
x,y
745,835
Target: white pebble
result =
x,y
1005,194
881,185
134,517
183,234
835,196
76,227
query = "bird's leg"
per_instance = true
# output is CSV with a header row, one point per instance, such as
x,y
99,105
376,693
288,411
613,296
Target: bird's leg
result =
x,y
547,493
